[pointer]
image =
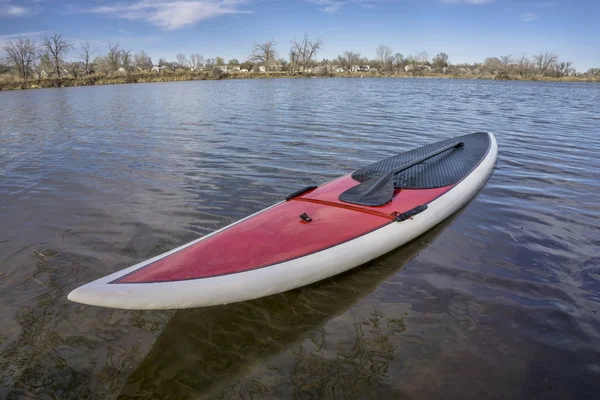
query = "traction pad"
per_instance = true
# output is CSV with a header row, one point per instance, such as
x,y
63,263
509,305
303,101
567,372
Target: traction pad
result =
x,y
445,169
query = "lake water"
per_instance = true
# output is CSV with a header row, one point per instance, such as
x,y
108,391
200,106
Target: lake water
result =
x,y
500,301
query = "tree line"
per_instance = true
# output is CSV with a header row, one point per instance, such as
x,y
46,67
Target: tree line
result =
x,y
26,58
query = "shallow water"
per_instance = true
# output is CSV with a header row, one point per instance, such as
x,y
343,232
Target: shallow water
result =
x,y
501,301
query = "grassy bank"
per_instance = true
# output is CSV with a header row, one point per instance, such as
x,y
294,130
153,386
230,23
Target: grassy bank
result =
x,y
13,83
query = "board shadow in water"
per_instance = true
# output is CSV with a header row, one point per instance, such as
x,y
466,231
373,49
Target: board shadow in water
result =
x,y
202,349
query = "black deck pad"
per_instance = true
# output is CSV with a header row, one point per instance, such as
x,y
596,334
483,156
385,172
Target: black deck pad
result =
x,y
445,169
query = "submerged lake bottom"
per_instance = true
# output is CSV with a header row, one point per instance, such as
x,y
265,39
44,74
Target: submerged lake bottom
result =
x,y
502,300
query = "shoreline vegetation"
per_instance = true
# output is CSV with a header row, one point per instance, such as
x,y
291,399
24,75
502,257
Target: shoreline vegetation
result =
x,y
29,65
182,76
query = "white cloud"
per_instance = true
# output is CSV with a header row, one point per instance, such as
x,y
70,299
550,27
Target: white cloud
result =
x,y
8,10
529,17
474,2
333,6
329,6
171,14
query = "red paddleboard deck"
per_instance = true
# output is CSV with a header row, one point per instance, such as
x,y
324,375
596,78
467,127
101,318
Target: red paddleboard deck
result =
x,y
310,236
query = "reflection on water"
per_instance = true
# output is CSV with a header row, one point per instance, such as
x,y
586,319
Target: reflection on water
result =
x,y
209,351
504,303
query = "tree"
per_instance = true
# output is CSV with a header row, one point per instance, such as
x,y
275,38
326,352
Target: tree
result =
x,y
21,55
210,63
233,61
544,60
384,57
593,72
183,60
57,48
142,60
113,56
523,65
45,64
293,61
219,61
492,64
125,58
264,54
423,58
347,59
197,61
86,56
563,69
399,61
440,60
307,49
505,61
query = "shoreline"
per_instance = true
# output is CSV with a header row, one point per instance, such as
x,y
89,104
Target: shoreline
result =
x,y
115,79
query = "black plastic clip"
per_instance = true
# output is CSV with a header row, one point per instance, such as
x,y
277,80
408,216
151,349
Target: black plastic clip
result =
x,y
301,191
304,217
411,213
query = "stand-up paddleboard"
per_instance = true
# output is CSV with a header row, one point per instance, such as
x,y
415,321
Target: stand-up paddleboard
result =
x,y
314,234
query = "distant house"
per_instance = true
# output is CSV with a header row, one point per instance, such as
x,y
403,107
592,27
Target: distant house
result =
x,y
361,68
409,68
337,68
243,70
156,69
234,68
261,68
121,70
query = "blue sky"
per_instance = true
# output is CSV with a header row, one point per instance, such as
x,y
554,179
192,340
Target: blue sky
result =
x,y
467,30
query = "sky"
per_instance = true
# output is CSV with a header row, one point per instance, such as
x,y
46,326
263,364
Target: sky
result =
x,y
467,30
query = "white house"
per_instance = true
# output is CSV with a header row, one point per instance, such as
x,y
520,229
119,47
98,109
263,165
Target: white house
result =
x,y
408,68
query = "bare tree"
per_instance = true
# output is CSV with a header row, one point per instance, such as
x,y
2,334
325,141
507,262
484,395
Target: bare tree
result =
x,y
197,60
384,57
399,61
86,56
293,61
307,49
21,55
563,69
125,58
523,65
492,64
183,60
440,60
142,60
423,58
347,59
264,54
506,60
544,61
58,48
113,56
